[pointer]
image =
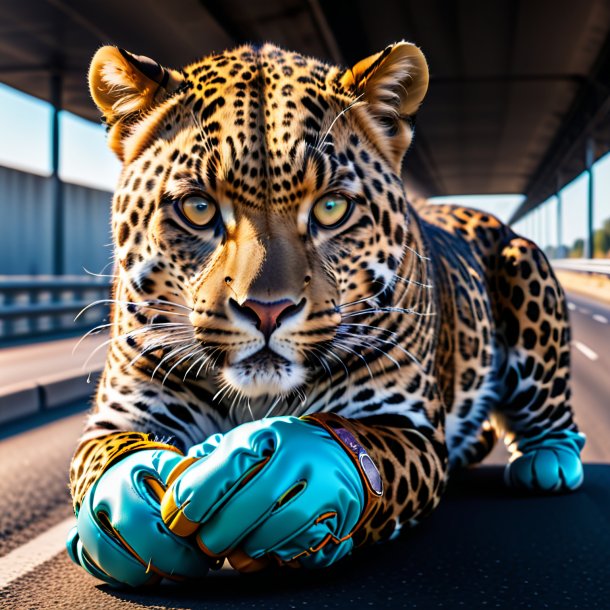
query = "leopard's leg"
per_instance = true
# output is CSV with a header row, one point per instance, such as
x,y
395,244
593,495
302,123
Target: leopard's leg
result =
x,y
94,456
413,463
477,451
130,413
534,403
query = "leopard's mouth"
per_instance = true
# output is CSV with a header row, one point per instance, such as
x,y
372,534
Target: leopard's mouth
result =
x,y
264,373
264,359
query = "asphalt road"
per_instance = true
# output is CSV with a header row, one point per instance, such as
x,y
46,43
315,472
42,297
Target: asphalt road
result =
x,y
483,548
591,374
32,361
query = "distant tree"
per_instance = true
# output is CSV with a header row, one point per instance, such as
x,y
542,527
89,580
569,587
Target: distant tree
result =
x,y
578,248
601,240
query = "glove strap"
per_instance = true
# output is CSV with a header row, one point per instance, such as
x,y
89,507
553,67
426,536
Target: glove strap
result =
x,y
337,427
97,455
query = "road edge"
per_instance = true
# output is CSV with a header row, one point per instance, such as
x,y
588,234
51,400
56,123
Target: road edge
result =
x,y
21,400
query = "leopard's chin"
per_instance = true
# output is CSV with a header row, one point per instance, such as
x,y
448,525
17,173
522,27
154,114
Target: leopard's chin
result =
x,y
264,373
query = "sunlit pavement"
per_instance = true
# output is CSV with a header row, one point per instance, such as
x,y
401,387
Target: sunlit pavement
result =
x,y
484,547
34,360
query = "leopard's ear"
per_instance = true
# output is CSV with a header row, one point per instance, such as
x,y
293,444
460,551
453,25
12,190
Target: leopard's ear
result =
x,y
124,85
392,83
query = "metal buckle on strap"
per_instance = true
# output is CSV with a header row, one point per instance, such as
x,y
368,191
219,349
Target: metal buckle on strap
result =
x,y
367,465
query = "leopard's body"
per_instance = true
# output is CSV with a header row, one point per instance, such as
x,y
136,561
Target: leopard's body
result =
x,y
431,332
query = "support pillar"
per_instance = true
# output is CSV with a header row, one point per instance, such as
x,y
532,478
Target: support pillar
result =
x,y
589,160
57,199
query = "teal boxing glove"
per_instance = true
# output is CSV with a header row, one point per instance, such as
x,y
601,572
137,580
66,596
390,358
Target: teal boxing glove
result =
x,y
281,487
120,537
548,462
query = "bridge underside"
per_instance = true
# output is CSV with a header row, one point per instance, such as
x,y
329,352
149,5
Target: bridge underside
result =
x,y
516,87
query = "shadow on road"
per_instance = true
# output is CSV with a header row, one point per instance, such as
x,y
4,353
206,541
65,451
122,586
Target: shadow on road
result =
x,y
483,547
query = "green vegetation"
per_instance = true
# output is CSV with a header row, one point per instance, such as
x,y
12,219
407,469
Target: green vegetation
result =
x,y
601,245
601,240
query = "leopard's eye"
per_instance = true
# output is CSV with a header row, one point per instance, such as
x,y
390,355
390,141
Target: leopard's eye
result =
x,y
331,210
198,210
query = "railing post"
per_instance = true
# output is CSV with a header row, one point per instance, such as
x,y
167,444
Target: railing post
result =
x,y
589,160
22,308
8,324
56,184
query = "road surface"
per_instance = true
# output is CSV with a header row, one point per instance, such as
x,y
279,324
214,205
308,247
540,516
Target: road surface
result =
x,y
33,361
483,548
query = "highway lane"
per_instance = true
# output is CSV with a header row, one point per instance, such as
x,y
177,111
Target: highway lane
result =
x,y
591,374
34,499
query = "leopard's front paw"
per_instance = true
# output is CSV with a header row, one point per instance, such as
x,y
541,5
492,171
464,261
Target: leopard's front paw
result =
x,y
547,463
279,488
120,537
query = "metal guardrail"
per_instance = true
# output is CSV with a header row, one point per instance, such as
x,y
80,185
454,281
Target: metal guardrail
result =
x,y
37,305
583,265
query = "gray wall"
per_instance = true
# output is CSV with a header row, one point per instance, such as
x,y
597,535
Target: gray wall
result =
x,y
27,233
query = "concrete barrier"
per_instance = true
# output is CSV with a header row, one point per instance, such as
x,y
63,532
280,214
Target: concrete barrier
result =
x,y
599,266
19,400
64,388
50,392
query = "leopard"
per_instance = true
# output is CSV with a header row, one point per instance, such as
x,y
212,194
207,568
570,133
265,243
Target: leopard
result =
x,y
268,262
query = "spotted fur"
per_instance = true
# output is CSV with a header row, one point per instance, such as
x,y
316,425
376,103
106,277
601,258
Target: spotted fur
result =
x,y
431,333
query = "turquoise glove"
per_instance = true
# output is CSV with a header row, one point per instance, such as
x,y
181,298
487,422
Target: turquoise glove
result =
x,y
120,537
278,487
549,462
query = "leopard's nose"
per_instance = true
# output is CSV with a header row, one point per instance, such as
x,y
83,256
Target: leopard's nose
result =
x,y
267,315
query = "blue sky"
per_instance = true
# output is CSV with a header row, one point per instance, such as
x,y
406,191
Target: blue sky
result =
x,y
26,144
85,159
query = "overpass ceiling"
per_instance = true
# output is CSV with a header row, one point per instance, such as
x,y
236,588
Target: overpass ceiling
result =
x,y
514,84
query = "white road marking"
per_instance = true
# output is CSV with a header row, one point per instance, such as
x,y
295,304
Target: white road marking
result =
x,y
30,555
601,319
571,306
586,350
584,311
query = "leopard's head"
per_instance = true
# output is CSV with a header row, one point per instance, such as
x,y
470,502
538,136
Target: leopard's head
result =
x,y
261,190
